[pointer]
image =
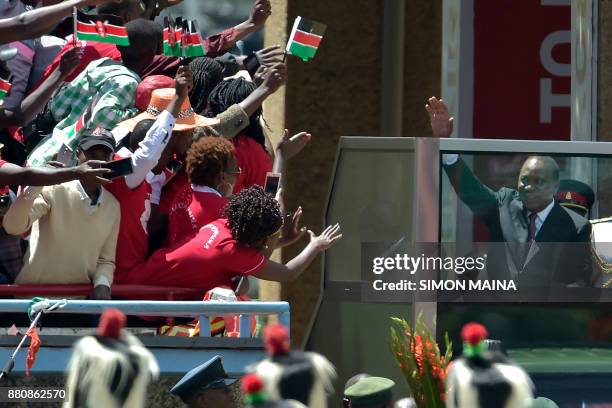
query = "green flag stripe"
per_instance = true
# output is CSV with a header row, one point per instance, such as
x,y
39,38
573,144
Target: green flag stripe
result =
x,y
194,51
111,39
3,93
305,52
172,51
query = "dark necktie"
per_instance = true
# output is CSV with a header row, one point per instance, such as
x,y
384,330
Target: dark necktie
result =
x,y
523,248
532,227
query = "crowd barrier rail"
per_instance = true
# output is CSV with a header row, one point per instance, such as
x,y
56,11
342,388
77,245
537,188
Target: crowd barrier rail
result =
x,y
175,355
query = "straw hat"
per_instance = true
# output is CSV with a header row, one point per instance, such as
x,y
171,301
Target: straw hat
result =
x,y
160,99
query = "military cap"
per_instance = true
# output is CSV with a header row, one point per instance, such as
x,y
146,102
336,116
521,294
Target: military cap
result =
x,y
575,195
211,374
542,402
370,391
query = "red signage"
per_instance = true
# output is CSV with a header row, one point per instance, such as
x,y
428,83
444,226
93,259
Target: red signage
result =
x,y
522,63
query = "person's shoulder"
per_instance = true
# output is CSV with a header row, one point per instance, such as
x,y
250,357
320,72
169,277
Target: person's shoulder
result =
x,y
110,68
580,223
505,195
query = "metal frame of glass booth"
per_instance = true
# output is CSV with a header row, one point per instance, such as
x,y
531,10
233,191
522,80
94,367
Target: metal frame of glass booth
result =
x,y
340,300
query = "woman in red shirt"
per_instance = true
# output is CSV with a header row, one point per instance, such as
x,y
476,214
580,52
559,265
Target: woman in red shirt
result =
x,y
238,245
212,172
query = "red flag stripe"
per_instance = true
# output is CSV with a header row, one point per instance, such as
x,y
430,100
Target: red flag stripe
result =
x,y
176,32
195,39
307,39
110,29
33,349
4,85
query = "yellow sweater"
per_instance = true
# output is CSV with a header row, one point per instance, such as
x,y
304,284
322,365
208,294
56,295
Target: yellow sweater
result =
x,y
71,241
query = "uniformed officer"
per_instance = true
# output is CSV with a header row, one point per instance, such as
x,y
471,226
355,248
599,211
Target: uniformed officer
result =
x,y
371,392
206,386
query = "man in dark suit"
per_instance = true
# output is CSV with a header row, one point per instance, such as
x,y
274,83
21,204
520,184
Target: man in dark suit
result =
x,y
546,244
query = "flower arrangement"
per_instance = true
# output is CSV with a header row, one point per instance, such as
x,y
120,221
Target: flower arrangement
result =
x,y
419,358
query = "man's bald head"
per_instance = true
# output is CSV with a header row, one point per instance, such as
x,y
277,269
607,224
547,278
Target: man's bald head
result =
x,y
538,182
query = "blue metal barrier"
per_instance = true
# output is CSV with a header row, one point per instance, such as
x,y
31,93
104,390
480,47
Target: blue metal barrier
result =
x,y
202,310
175,355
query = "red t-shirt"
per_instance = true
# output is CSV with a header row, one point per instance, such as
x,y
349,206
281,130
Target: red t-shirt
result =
x,y
209,259
132,243
205,207
253,160
176,188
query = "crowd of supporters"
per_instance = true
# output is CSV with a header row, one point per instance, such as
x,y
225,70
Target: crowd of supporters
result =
x,y
190,211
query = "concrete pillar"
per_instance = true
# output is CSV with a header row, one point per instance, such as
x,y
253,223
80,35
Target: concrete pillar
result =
x,y
339,94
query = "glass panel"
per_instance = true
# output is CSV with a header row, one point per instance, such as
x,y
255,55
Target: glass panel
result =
x,y
355,337
541,325
372,200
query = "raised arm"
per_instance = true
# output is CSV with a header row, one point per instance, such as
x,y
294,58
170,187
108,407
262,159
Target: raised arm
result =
x,y
236,117
11,174
29,206
274,78
480,198
35,102
262,9
149,151
40,21
287,148
274,271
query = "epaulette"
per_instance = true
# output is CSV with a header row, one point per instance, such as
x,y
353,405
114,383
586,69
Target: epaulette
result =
x,y
599,220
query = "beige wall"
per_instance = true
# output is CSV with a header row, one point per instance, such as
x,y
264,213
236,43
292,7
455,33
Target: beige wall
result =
x,y
338,93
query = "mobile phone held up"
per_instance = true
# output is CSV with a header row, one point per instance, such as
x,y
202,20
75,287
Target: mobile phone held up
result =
x,y
272,183
66,156
119,168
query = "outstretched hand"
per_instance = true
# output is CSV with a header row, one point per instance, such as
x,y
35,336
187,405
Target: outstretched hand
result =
x,y
439,118
291,146
270,55
290,231
327,239
275,77
91,170
262,9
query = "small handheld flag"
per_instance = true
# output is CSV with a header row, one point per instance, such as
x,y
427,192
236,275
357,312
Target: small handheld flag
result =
x,y
104,28
305,38
172,37
191,40
5,88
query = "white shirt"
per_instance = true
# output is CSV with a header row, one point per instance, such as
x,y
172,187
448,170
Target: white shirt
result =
x,y
145,158
541,217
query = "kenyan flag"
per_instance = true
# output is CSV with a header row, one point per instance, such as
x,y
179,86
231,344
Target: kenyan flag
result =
x,y
104,28
5,87
172,37
191,40
305,38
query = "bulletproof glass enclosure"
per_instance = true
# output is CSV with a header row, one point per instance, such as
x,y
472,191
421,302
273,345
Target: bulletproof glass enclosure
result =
x,y
396,196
